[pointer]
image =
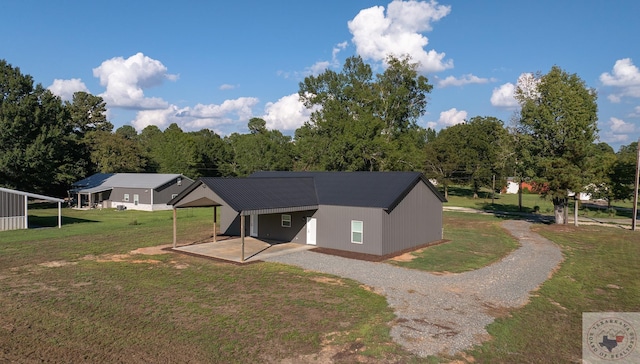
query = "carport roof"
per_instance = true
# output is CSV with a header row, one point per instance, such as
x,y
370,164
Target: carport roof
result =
x,y
31,195
259,195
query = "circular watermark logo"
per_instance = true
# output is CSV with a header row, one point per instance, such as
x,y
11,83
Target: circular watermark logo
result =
x,y
611,338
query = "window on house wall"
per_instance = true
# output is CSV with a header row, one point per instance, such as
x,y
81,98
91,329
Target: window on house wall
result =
x,y
356,231
286,220
126,197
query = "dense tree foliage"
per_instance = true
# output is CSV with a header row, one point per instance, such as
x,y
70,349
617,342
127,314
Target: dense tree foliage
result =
x,y
559,119
472,153
623,172
35,136
260,150
362,123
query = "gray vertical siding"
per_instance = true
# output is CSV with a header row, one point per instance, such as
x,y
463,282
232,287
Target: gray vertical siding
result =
x,y
415,221
162,194
270,227
334,228
12,211
117,195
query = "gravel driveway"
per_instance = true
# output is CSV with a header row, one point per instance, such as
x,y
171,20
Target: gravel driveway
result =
x,y
446,313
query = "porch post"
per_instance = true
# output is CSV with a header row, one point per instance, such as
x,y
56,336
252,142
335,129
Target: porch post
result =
x,y
215,217
26,212
242,235
79,200
59,214
174,227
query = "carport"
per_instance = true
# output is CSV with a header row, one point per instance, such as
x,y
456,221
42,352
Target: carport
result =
x,y
14,208
237,198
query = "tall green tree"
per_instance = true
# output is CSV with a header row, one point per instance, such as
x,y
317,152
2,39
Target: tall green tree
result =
x,y
361,122
560,119
89,119
212,153
260,150
442,160
116,152
35,136
623,172
602,161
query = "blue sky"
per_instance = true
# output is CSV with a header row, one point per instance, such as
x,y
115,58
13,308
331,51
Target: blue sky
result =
x,y
205,64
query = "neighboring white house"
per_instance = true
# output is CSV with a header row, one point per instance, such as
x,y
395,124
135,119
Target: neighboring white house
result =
x,y
135,191
582,196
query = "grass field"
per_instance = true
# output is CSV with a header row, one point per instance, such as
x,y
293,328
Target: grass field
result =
x,y
463,197
76,294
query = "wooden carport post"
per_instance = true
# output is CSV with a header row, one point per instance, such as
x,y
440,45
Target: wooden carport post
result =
x,y
242,235
175,224
215,217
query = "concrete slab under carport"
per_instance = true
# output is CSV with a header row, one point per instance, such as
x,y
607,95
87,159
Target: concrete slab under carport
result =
x,y
230,249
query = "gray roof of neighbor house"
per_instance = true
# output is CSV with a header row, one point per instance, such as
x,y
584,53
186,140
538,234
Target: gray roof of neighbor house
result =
x,y
107,181
259,194
32,195
363,189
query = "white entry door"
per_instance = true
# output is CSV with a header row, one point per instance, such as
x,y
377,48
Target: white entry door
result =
x,y
253,226
311,230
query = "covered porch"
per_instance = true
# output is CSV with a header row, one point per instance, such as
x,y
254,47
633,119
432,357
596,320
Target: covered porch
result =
x,y
237,199
230,249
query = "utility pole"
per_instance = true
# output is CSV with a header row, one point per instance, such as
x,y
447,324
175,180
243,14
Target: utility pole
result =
x,y
493,193
635,191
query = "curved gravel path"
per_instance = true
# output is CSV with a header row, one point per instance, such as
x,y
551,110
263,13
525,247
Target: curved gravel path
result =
x,y
446,313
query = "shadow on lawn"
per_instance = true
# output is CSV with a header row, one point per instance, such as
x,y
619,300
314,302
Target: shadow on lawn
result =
x,y
36,221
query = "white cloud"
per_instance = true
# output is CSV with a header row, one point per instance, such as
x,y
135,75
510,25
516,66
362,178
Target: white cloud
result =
x,y
227,86
212,116
625,77
377,35
612,138
619,131
125,80
321,66
464,80
620,126
502,96
452,117
66,88
432,124
288,113
635,113
159,117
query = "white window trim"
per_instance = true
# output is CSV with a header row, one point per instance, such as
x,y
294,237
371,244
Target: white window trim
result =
x,y
361,232
282,221
125,198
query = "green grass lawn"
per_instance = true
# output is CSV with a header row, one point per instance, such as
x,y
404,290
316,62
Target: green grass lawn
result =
x,y
76,295
600,273
462,196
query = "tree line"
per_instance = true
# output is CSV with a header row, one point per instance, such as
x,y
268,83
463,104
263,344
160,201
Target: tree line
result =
x,y
361,121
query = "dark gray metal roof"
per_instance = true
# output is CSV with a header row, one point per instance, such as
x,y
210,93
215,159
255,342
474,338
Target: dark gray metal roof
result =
x,y
363,189
260,195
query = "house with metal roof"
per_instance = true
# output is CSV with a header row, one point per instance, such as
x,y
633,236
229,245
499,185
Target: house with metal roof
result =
x,y
135,191
14,208
375,213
